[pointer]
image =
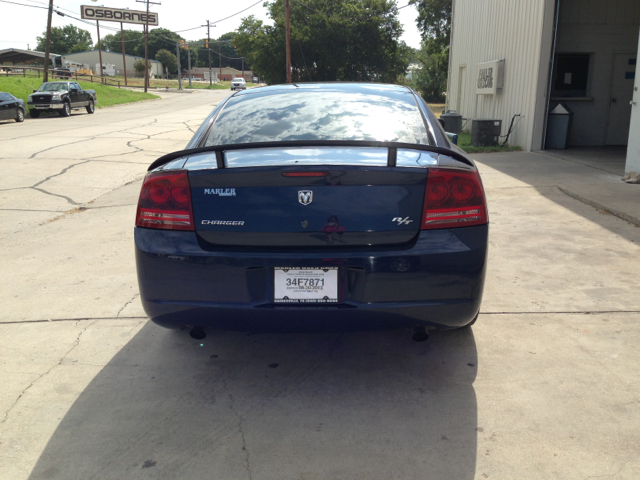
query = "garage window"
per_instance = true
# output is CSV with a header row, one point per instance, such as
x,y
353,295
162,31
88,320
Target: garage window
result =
x,y
571,77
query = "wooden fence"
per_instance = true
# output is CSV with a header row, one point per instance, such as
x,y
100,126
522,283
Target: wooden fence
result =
x,y
11,71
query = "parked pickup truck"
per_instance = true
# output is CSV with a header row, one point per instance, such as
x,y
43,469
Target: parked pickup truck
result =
x,y
61,97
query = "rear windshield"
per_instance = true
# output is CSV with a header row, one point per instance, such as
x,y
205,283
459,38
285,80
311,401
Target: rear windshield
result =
x,y
372,113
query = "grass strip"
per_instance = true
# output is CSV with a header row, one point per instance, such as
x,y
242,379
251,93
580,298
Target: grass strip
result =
x,y
163,83
464,142
22,87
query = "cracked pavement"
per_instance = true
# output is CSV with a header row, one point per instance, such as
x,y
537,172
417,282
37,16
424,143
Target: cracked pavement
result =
x,y
543,387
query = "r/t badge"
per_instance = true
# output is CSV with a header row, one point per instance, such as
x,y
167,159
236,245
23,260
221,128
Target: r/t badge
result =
x,y
402,221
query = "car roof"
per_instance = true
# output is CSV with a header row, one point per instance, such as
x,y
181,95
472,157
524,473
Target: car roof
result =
x,y
346,87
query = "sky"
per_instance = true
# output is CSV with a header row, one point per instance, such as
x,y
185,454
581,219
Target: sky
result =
x,y
20,25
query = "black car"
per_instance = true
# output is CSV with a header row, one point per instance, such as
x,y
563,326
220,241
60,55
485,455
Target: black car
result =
x,y
314,206
61,97
11,108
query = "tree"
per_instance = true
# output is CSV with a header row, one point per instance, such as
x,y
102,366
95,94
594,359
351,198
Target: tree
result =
x,y
434,21
430,79
168,60
139,66
65,40
132,40
229,57
159,39
80,47
347,40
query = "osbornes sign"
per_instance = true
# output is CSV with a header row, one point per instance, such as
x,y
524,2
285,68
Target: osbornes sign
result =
x,y
118,15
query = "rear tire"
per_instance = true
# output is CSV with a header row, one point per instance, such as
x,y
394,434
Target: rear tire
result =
x,y
91,107
34,113
20,116
66,110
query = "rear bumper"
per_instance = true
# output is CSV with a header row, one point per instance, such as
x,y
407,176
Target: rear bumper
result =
x,y
435,282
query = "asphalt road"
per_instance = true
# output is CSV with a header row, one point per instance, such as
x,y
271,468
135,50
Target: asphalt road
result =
x,y
544,386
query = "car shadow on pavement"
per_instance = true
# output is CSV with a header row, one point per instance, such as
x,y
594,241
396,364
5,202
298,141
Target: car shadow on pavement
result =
x,y
372,405
566,183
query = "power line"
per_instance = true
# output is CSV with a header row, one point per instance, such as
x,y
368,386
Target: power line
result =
x,y
116,29
24,4
189,29
238,13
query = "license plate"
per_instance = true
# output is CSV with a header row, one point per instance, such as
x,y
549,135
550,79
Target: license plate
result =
x,y
305,285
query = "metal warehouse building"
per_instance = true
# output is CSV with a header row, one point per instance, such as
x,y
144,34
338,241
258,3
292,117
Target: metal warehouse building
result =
x,y
523,58
92,57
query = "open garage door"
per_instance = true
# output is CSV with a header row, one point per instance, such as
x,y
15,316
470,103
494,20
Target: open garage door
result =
x,y
624,68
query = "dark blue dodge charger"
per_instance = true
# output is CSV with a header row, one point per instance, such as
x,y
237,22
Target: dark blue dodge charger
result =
x,y
314,207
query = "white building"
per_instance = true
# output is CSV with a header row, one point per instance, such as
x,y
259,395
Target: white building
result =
x,y
92,58
582,53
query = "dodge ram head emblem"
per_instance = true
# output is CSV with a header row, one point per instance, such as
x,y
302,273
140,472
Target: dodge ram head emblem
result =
x,y
305,197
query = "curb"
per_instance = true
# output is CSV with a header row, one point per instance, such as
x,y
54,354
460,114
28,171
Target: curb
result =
x,y
593,203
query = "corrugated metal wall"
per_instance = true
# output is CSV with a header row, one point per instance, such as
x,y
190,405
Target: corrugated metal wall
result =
x,y
513,30
91,58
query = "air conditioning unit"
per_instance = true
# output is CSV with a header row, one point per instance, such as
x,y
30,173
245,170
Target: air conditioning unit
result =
x,y
485,132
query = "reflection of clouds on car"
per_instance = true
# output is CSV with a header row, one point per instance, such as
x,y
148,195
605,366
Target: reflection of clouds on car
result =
x,y
320,114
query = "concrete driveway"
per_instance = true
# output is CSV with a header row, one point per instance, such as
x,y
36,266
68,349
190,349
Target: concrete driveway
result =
x,y
544,386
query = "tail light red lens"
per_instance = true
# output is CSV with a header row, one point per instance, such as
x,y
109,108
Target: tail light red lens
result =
x,y
165,202
453,198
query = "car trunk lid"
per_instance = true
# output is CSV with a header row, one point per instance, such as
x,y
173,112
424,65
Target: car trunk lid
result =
x,y
352,200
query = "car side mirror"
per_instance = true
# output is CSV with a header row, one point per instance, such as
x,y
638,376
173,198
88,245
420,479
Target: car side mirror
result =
x,y
35,91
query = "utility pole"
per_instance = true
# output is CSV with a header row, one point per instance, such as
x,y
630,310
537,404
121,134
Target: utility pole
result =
x,y
45,76
146,42
288,39
220,61
99,48
189,63
124,58
179,74
242,67
208,45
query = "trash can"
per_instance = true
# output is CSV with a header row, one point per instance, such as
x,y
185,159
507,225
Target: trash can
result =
x,y
452,122
558,124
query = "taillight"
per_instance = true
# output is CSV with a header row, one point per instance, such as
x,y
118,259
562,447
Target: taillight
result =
x,y
453,198
165,202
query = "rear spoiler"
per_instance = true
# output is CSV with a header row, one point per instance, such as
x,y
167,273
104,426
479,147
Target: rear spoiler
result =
x,y
391,158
